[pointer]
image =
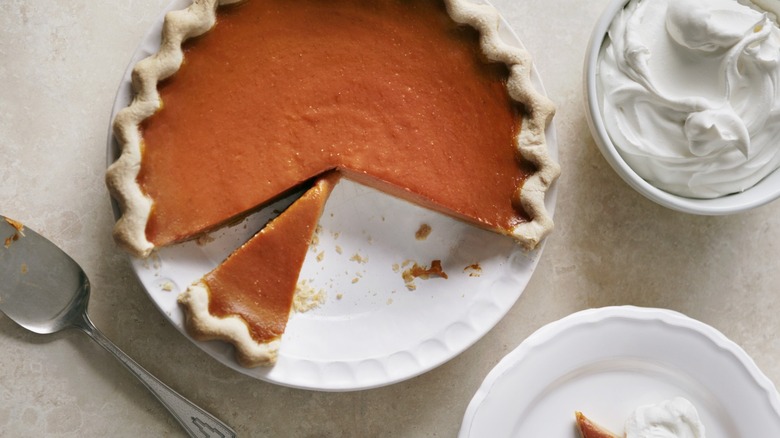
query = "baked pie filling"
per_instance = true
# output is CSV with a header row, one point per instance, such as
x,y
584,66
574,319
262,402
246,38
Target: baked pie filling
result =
x,y
417,98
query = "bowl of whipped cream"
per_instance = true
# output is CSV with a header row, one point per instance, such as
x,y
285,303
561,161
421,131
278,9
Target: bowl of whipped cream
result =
x,y
683,100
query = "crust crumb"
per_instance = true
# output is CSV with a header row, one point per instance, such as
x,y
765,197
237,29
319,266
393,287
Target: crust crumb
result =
x,y
306,297
16,224
204,239
474,270
423,232
358,258
315,237
11,239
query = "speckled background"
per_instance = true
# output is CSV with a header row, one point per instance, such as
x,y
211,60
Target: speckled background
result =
x,y
60,66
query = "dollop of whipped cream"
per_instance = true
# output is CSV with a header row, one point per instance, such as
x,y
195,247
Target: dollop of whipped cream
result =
x,y
676,418
690,94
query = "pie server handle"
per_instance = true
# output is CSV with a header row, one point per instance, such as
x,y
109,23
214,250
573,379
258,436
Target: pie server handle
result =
x,y
197,422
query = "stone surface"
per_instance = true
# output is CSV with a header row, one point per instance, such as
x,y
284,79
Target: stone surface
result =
x,y
60,66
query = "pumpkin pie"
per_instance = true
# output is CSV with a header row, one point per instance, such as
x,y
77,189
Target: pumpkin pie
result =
x,y
589,429
420,99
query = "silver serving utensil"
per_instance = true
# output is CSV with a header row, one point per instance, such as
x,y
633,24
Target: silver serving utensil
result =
x,y
44,290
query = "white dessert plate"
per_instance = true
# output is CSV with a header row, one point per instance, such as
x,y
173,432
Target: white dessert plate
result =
x,y
371,330
606,362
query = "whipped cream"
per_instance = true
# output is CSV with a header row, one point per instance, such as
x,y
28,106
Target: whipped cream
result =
x,y
690,94
676,418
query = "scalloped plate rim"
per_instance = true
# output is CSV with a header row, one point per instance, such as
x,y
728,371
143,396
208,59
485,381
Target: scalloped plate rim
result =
x,y
546,336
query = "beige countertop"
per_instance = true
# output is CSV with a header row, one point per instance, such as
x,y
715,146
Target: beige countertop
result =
x,y
60,66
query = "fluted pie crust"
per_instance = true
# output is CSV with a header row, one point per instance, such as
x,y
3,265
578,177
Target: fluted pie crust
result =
x,y
146,220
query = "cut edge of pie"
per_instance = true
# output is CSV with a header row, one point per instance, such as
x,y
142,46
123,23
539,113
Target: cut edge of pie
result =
x,y
200,16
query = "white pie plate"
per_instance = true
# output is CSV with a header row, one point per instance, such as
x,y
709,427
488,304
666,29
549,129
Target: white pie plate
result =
x,y
606,362
371,330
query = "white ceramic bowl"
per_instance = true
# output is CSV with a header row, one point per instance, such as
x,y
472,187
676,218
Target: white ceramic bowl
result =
x,y
765,191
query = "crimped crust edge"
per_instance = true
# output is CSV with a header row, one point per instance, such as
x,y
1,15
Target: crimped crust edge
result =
x,y
204,326
539,110
130,228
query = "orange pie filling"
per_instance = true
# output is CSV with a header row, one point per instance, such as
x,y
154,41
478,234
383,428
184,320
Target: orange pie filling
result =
x,y
589,429
392,93
280,93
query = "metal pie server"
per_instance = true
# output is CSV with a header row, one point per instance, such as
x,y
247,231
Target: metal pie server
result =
x,y
44,290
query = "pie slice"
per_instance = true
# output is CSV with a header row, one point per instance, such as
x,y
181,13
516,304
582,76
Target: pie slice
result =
x,y
247,299
589,429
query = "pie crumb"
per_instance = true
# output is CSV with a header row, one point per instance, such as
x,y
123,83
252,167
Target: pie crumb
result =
x,y
19,227
423,232
156,261
11,239
421,272
307,297
204,239
474,270
358,258
16,224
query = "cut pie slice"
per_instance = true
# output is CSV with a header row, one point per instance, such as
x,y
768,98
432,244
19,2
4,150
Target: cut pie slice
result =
x,y
589,429
247,299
